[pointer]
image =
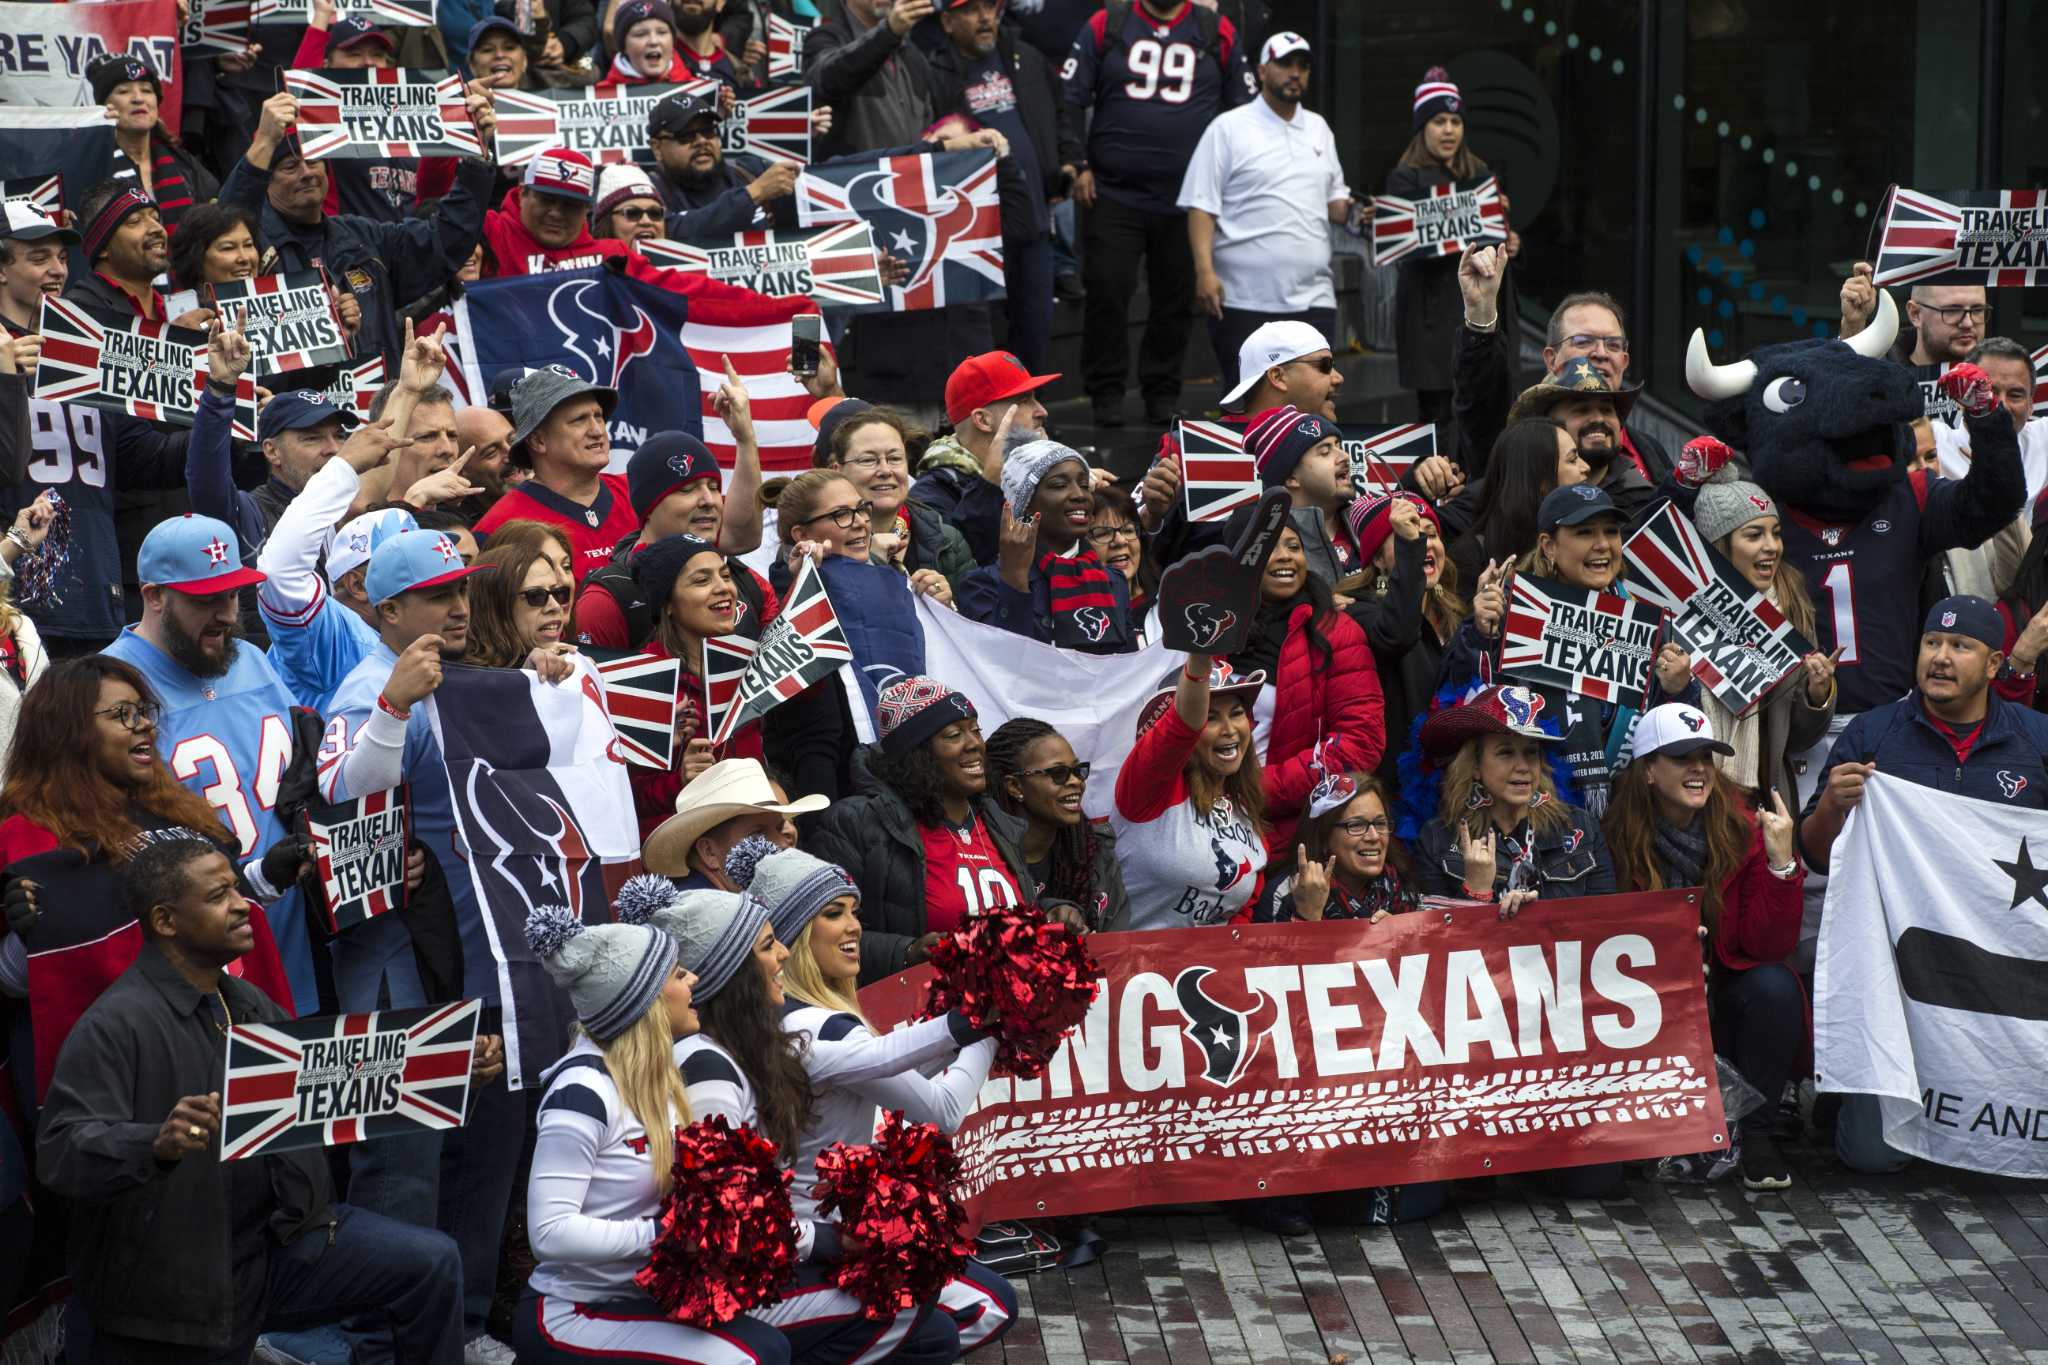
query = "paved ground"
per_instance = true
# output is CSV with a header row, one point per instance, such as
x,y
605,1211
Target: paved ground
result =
x,y
1914,1267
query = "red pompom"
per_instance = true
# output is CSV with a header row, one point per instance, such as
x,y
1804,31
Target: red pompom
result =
x,y
895,1206
728,1234
1700,459
1021,974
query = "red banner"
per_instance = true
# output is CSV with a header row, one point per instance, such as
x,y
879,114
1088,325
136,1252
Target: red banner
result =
x,y
1236,1061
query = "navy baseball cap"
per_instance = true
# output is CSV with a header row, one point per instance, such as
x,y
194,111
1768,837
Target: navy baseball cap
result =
x,y
297,409
492,23
1572,505
194,554
354,31
675,114
1963,614
415,559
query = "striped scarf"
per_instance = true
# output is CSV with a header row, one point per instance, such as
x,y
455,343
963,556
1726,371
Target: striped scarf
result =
x,y
1085,612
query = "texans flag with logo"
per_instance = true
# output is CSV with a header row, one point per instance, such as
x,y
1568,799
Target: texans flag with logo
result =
x,y
640,697
801,646
774,125
537,777
342,1078
1595,644
836,265
607,123
1991,237
382,112
217,26
43,193
938,211
1382,455
1445,223
1931,976
1217,474
786,40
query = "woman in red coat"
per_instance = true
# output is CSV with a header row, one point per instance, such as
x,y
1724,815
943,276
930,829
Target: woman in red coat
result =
x,y
1674,820
1322,695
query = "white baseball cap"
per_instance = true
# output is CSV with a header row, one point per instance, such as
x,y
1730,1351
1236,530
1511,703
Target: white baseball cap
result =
x,y
1281,46
355,542
1275,343
1675,729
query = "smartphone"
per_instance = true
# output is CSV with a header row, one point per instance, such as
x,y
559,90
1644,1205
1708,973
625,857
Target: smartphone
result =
x,y
806,331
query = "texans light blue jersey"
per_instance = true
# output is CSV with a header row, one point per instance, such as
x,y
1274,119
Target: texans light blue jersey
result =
x,y
314,649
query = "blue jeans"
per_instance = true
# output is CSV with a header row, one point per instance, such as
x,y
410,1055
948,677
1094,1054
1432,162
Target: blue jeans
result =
x,y
1760,1024
1859,1138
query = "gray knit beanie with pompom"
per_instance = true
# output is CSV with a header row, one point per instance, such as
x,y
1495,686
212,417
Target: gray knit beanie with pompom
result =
x,y
612,972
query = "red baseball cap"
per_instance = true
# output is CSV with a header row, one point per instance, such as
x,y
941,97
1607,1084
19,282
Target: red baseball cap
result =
x,y
988,378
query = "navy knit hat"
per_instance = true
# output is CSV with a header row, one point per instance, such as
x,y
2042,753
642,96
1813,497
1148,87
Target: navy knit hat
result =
x,y
1963,614
656,567
1278,438
796,887
118,68
1436,95
112,214
633,12
667,461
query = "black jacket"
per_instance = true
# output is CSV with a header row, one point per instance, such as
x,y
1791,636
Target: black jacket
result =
x,y
1404,648
717,210
1569,862
1050,120
1484,390
879,85
873,835
150,1249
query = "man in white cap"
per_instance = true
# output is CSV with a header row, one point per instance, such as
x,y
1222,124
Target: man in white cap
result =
x,y
1260,192
728,801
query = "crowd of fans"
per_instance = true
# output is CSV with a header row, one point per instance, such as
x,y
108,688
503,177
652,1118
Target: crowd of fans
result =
x,y
1361,751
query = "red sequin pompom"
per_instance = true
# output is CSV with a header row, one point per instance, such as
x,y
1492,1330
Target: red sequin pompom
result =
x,y
906,1232
1021,974
728,1236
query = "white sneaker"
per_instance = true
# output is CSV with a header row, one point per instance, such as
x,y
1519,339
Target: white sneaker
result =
x,y
485,1349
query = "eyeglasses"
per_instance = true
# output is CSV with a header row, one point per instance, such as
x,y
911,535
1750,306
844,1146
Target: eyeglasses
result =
x,y
1975,312
539,597
1102,535
633,213
1324,364
868,464
1359,828
842,517
1586,341
1060,773
132,716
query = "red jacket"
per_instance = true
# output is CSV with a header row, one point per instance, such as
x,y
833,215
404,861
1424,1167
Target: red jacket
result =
x,y
655,789
1336,704
1759,912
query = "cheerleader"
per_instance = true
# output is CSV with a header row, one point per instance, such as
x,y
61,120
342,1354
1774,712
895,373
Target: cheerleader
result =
x,y
813,907
744,1067
599,1175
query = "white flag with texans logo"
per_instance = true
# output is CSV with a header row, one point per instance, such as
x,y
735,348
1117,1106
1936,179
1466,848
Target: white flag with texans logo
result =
x,y
1931,981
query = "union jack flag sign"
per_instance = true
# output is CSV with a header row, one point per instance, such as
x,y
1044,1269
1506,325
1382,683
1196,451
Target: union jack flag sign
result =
x,y
2041,377
1217,474
360,848
1381,455
774,125
1446,223
43,193
217,26
799,647
352,388
938,211
1992,237
726,659
383,13
342,1078
607,123
786,41
377,113
640,697
1595,644
836,265
288,319
149,370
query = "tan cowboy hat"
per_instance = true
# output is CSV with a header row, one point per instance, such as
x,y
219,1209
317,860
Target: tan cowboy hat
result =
x,y
729,787
1578,379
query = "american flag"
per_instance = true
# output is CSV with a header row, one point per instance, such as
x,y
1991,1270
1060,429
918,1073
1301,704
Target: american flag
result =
x,y
774,125
1381,455
607,123
786,41
640,697
73,366
938,211
799,647
1444,224
1217,474
776,398
331,126
383,13
43,193
217,26
1922,240
343,1078
838,264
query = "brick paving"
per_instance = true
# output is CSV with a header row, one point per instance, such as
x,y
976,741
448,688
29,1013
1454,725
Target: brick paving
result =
x,y
1925,1266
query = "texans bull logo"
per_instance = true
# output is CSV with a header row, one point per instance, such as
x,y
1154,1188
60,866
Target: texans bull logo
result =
x,y
919,235
1227,1037
2012,784
1093,621
1208,622
616,346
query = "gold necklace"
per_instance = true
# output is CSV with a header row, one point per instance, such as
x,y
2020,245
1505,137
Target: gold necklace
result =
x,y
226,1014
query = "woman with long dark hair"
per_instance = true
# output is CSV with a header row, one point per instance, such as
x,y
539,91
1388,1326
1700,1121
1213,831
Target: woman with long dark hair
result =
x,y
523,612
1676,820
1406,601
1037,777
1530,458
216,244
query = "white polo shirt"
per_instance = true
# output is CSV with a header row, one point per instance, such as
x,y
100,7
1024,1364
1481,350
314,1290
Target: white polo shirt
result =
x,y
1269,183
1952,445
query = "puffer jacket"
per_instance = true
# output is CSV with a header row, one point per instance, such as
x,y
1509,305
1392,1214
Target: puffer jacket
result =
x,y
1334,704
1571,860
949,482
873,835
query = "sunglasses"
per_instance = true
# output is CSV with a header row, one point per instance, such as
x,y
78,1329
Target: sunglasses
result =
x,y
1060,773
1321,364
633,213
539,597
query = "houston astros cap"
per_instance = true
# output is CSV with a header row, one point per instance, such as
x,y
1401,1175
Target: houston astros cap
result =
x,y
194,554
414,559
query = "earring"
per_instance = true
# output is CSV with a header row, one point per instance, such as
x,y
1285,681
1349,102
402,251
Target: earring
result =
x,y
1479,797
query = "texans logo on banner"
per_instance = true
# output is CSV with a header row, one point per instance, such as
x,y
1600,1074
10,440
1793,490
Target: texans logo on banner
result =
x,y
774,125
382,112
799,647
1217,474
607,123
343,1078
937,211
786,41
1444,224
49,51
640,697
1382,455
1594,644
288,319
123,363
43,193
1742,646
217,26
834,265
360,848
382,13
1992,237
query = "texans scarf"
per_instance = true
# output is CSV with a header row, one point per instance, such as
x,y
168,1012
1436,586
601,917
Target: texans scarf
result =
x,y
1085,612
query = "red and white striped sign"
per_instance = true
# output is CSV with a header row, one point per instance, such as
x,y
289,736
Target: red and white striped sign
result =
x,y
360,847
1595,644
378,113
1992,237
607,123
778,400
834,265
640,697
800,646
1381,455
